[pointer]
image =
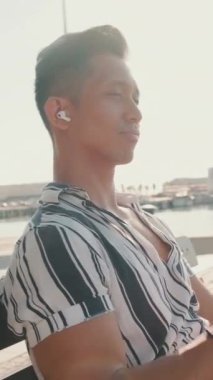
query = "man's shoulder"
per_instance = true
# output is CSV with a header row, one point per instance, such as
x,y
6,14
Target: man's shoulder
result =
x,y
63,205
50,239
51,224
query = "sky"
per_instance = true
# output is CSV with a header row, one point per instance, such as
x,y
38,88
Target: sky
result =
x,y
171,57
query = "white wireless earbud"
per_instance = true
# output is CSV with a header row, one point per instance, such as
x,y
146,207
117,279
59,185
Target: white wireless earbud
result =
x,y
62,115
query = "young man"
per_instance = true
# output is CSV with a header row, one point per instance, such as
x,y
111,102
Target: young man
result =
x,y
99,287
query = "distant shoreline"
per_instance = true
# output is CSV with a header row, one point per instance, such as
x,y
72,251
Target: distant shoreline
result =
x,y
16,212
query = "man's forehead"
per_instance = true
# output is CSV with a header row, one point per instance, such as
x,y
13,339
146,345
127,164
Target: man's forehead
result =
x,y
112,70
123,83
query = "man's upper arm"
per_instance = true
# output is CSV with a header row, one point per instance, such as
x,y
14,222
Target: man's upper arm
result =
x,y
57,279
92,350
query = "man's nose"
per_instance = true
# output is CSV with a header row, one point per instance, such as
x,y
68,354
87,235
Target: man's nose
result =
x,y
133,113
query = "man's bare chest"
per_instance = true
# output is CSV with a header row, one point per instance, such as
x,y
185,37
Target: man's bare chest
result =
x,y
144,230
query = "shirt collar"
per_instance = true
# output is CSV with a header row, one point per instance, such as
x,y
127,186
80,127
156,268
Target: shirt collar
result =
x,y
53,190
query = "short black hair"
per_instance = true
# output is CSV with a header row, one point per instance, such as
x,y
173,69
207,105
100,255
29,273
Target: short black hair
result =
x,y
61,65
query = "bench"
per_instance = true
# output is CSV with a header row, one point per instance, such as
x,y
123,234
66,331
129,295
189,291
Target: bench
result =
x,y
8,339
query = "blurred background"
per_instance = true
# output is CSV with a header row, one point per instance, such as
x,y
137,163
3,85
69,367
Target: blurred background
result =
x,y
170,56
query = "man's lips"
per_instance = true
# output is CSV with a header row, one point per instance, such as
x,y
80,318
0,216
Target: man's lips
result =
x,y
132,134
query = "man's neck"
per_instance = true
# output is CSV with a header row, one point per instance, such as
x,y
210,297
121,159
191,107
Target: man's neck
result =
x,y
95,179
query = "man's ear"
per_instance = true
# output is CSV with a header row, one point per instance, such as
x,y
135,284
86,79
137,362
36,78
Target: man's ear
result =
x,y
54,107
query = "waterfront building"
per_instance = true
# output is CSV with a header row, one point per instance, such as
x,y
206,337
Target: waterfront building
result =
x,y
186,185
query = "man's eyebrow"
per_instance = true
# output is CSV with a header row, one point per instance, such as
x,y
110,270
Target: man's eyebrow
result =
x,y
126,83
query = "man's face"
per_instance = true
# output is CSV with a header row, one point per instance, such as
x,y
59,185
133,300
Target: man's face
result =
x,y
107,115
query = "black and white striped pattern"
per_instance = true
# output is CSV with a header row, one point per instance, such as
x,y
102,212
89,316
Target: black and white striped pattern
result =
x,y
76,261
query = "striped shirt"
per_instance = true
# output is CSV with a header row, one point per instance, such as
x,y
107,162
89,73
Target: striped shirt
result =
x,y
76,261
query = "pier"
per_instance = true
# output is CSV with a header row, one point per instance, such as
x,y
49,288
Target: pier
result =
x,y
16,212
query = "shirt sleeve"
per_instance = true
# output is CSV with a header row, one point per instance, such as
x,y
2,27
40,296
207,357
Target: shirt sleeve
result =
x,y
57,279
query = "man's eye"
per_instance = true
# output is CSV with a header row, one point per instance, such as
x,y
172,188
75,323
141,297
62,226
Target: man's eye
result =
x,y
136,100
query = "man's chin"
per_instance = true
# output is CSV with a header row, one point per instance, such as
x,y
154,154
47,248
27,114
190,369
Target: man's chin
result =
x,y
126,160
